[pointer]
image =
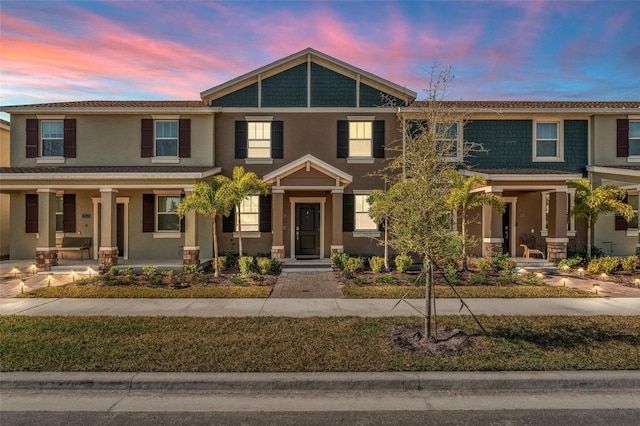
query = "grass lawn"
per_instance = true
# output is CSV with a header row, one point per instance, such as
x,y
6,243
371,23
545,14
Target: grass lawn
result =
x,y
309,344
90,291
493,291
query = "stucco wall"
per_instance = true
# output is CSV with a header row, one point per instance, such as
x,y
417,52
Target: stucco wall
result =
x,y
604,141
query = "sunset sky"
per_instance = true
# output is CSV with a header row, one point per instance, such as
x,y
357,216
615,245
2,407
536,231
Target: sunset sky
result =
x,y
54,51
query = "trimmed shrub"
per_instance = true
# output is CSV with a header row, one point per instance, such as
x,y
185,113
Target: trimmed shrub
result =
x,y
245,263
338,260
387,279
264,265
222,263
629,264
376,263
530,279
503,262
484,265
352,265
238,280
606,264
192,269
360,280
570,262
149,270
403,262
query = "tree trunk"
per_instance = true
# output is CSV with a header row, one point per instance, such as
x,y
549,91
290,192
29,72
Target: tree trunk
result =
x,y
216,272
463,219
239,231
428,320
386,243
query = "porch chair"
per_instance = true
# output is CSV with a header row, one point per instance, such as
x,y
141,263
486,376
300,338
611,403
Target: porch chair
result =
x,y
529,241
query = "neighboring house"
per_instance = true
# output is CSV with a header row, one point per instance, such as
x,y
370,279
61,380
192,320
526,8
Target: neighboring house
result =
x,y
4,198
313,128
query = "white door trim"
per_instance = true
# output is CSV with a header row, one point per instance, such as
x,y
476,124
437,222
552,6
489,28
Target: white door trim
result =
x,y
306,200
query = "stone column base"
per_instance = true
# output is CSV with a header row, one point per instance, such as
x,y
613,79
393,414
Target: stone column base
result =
x,y
336,249
107,257
491,249
191,256
556,251
45,259
277,252
638,250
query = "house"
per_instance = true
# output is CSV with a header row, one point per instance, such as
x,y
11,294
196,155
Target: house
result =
x,y
311,126
5,128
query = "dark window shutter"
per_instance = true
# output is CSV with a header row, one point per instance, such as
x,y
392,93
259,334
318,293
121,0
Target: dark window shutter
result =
x,y
148,213
228,222
33,139
622,145
265,213
378,139
182,220
31,213
621,222
70,139
69,213
343,139
277,140
146,141
348,212
184,138
241,139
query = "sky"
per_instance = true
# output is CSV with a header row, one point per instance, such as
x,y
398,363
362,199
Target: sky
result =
x,y
53,50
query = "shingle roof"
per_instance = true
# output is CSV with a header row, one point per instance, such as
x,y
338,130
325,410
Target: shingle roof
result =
x,y
496,105
116,104
521,171
107,169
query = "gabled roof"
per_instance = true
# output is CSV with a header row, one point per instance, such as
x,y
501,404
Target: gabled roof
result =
x,y
600,107
112,107
308,161
315,56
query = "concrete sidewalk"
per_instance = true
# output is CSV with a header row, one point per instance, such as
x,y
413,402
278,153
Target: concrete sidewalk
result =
x,y
343,381
314,307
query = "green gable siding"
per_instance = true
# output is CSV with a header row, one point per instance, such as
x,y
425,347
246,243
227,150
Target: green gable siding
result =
x,y
245,97
330,89
509,144
286,89
370,97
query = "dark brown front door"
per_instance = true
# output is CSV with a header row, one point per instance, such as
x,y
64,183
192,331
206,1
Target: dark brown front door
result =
x,y
307,230
506,232
120,229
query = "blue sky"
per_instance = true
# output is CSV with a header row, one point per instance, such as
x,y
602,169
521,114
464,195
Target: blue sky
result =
x,y
143,50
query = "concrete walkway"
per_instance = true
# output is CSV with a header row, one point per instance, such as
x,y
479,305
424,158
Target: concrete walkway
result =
x,y
313,307
307,285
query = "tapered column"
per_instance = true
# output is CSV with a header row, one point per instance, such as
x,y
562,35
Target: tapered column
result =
x,y
336,221
46,252
277,228
108,251
191,249
557,237
492,232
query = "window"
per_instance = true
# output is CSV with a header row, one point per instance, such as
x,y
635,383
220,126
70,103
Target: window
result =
x,y
259,139
634,138
52,138
547,144
632,199
167,218
363,221
360,139
448,140
59,214
166,137
250,214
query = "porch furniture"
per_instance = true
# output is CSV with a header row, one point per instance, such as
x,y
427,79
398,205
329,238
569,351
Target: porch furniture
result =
x,y
529,241
75,244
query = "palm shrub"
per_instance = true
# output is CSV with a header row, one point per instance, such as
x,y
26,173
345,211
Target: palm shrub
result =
x,y
377,264
403,262
245,263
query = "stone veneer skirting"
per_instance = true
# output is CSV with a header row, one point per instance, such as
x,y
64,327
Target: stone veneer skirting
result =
x,y
46,259
191,257
107,258
556,251
492,249
277,253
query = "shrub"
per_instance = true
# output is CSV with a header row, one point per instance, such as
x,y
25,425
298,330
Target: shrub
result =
x,y
360,280
192,269
450,271
403,262
570,262
238,280
351,266
149,270
387,279
276,266
156,280
376,263
264,265
231,256
483,265
629,264
503,262
603,264
222,263
507,276
530,279
480,278
339,259
245,263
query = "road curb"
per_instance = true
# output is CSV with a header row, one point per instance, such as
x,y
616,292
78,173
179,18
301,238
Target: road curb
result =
x,y
389,381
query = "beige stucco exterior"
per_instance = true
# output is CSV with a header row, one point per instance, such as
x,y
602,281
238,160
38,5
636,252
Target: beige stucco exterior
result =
x,y
5,235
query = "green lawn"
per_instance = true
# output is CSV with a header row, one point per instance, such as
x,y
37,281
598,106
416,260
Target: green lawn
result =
x,y
90,291
308,344
414,292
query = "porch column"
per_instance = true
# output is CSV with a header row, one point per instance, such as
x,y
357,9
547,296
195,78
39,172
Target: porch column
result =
x,y
108,251
46,252
492,237
191,249
557,237
277,225
336,221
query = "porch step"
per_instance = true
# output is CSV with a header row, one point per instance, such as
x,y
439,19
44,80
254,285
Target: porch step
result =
x,y
307,265
533,264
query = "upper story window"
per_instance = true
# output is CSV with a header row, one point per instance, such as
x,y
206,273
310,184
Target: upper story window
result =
x,y
167,218
634,138
249,216
449,140
259,139
547,141
52,138
166,138
360,139
363,222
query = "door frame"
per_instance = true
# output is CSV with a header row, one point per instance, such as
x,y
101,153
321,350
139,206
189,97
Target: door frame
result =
x,y
315,207
96,225
305,200
512,224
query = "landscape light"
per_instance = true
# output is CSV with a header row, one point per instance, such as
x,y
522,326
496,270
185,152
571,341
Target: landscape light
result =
x,y
89,270
539,275
49,278
15,271
73,275
33,268
603,276
21,286
564,282
596,287
580,271
637,281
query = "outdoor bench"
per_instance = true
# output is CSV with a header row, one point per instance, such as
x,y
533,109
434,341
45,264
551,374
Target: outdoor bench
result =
x,y
75,244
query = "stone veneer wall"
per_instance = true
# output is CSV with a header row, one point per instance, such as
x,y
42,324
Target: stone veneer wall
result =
x,y
191,257
556,251
107,259
46,259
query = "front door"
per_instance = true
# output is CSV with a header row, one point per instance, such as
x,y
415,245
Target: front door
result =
x,y
307,231
506,232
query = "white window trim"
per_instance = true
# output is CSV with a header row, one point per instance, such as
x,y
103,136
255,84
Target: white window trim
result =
x,y
370,233
50,159
259,160
633,158
363,159
560,148
459,145
167,159
168,233
248,234
633,232
571,220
